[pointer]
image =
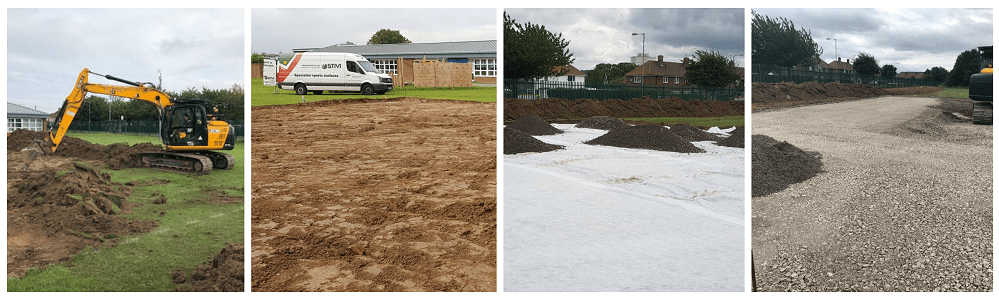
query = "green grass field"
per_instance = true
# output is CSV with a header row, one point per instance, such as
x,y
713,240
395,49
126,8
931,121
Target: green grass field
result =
x,y
952,93
725,121
194,227
261,95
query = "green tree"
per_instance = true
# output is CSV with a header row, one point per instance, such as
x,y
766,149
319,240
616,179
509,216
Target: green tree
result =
x,y
777,42
865,64
388,36
937,74
614,73
712,69
889,71
967,63
530,51
256,58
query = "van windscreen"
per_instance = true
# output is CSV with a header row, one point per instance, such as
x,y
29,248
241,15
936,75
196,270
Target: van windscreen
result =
x,y
368,67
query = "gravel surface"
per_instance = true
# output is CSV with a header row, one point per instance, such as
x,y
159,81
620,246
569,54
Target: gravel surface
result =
x,y
534,125
898,208
651,137
516,141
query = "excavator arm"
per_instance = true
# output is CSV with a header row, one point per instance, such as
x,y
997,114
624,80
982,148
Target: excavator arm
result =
x,y
140,91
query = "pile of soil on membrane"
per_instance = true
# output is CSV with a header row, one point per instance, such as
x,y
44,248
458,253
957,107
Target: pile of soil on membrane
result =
x,y
115,156
692,134
736,138
651,137
558,108
777,165
516,141
601,122
534,125
224,274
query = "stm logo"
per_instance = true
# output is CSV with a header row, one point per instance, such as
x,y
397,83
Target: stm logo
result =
x,y
332,65
213,131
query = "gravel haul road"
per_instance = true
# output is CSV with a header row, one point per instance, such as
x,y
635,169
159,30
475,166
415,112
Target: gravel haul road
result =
x,y
904,202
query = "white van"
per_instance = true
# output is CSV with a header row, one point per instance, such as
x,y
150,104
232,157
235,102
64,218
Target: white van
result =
x,y
320,71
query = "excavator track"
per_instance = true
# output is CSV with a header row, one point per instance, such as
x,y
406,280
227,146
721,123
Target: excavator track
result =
x,y
220,160
187,163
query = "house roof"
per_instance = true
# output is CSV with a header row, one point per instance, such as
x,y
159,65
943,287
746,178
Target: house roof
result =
x,y
454,49
841,65
18,111
657,68
570,70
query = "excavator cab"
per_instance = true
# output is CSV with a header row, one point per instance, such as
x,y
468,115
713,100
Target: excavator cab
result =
x,y
186,125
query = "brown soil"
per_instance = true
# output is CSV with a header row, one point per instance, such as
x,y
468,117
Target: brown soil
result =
x,y
374,195
692,134
516,141
601,122
651,137
782,95
223,274
777,165
60,207
114,156
552,109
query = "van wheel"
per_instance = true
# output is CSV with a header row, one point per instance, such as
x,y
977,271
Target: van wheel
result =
x,y
367,89
317,92
300,89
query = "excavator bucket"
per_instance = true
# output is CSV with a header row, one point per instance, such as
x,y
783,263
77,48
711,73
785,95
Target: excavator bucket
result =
x,y
30,153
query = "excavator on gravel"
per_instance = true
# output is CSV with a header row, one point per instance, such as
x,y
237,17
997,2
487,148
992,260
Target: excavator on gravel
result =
x,y
187,130
980,89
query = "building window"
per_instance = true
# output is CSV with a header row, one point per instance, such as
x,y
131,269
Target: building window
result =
x,y
24,123
386,66
665,80
484,67
638,80
676,80
572,78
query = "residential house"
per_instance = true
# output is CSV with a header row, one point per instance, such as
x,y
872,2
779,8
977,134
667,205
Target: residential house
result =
x,y
21,117
841,67
910,74
659,73
818,65
571,74
397,59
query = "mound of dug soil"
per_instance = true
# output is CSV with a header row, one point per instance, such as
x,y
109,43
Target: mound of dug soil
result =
x,y
692,134
779,95
534,125
55,213
651,137
776,165
736,138
516,141
115,156
224,274
557,108
601,122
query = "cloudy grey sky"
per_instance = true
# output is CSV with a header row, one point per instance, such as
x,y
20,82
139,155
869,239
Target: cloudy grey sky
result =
x,y
280,30
604,35
910,39
47,49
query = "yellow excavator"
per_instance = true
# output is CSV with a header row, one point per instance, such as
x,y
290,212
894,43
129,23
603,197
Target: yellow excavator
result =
x,y
186,129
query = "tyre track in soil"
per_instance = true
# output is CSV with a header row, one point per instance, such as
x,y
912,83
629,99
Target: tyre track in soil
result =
x,y
904,204
374,195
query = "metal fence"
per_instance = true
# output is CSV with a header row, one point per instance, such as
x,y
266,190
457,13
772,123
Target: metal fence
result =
x,y
778,74
532,89
136,127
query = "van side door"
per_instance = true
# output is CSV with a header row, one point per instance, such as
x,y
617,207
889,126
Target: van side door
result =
x,y
353,77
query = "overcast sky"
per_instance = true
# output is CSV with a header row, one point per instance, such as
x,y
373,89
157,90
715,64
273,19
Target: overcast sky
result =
x,y
47,49
280,30
604,35
910,39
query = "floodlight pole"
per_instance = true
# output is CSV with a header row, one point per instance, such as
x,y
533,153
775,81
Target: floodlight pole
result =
x,y
643,62
835,46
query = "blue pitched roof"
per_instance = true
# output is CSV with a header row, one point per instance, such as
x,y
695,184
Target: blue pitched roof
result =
x,y
455,49
18,111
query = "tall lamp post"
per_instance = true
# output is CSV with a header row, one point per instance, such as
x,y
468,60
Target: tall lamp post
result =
x,y
835,46
643,62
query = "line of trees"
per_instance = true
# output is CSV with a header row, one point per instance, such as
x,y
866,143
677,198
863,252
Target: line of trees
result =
x,y
99,108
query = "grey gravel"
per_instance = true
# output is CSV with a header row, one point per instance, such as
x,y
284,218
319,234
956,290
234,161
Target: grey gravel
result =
x,y
904,204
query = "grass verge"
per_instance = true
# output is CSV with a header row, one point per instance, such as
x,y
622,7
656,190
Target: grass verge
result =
x,y
261,95
724,121
952,93
201,215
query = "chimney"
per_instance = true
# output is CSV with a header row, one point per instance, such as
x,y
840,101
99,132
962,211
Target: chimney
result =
x,y
686,61
839,59
660,58
847,60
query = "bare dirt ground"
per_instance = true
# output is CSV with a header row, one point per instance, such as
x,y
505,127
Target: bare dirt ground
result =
x,y
555,109
224,273
374,195
904,202
58,207
782,95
